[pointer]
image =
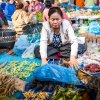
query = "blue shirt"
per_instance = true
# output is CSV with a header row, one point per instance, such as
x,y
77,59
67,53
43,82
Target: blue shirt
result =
x,y
9,10
3,5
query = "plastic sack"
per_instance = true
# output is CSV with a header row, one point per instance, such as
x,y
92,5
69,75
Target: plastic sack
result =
x,y
52,72
21,45
29,52
94,28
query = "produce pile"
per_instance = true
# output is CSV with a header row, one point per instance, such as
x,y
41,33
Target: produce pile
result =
x,y
67,94
77,13
7,87
93,68
18,69
30,95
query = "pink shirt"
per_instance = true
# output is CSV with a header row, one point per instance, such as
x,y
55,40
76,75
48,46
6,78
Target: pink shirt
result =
x,y
45,15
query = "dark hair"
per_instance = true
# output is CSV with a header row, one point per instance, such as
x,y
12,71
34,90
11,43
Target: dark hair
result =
x,y
8,0
27,2
39,0
48,4
55,10
19,5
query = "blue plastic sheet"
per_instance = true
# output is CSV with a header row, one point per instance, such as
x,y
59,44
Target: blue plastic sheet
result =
x,y
52,72
8,58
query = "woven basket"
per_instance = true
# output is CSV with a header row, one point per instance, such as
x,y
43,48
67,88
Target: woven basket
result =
x,y
7,38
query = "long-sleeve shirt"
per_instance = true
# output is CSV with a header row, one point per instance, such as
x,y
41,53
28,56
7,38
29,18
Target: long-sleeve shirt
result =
x,y
20,19
9,10
67,35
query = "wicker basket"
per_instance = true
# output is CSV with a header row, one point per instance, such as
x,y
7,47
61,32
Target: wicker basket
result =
x,y
7,38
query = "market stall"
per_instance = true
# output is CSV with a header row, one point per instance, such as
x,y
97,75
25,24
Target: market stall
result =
x,y
55,80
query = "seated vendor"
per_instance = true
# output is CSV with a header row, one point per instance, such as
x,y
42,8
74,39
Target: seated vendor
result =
x,y
57,39
20,18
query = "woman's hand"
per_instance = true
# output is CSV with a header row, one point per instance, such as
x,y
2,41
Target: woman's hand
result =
x,y
44,61
73,62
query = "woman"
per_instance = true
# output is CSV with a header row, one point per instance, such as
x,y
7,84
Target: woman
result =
x,y
46,10
80,3
26,5
31,7
36,6
9,10
58,39
20,18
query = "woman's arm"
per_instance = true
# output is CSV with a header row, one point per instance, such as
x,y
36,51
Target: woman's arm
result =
x,y
43,45
74,45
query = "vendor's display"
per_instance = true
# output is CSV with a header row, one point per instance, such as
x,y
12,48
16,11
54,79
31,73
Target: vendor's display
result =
x,y
67,94
83,14
7,38
19,69
7,86
30,95
92,68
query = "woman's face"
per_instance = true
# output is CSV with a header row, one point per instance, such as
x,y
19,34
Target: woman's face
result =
x,y
55,20
26,4
11,1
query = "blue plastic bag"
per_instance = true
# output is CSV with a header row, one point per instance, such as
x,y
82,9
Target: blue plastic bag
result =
x,y
21,45
94,28
52,72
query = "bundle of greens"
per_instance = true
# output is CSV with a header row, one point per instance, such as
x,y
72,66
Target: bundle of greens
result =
x,y
18,69
67,94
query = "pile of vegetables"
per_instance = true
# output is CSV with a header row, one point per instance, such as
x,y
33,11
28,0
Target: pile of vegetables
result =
x,y
19,69
93,68
30,95
7,87
67,94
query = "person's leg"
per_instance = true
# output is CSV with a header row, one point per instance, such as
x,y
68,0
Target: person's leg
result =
x,y
65,51
51,52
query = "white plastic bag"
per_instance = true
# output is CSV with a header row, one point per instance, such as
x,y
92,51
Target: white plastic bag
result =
x,y
29,52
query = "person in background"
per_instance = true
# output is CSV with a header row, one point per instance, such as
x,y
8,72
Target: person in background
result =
x,y
97,3
80,3
90,3
20,19
38,7
31,6
9,10
3,4
57,39
26,5
46,10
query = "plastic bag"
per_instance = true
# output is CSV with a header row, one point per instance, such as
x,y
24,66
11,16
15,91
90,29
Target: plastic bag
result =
x,y
52,72
29,52
94,28
21,45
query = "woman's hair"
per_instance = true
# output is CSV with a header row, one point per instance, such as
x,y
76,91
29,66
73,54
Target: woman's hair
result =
x,y
8,0
28,2
48,4
55,10
19,5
